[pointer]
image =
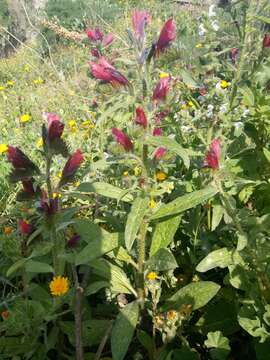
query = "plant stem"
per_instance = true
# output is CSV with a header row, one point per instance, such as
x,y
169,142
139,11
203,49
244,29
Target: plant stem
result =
x,y
48,176
141,261
78,317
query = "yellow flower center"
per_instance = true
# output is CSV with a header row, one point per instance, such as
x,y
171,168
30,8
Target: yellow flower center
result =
x,y
161,176
25,118
59,286
152,276
152,204
3,148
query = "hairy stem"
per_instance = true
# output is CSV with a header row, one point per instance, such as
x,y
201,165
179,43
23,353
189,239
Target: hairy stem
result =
x,y
141,261
78,317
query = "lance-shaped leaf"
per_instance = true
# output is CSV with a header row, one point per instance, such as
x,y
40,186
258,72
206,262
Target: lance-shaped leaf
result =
x,y
123,330
163,260
217,258
106,190
184,202
134,220
170,145
164,233
196,294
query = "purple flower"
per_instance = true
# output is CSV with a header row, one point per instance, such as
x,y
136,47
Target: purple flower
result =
x,y
140,18
122,139
140,118
167,35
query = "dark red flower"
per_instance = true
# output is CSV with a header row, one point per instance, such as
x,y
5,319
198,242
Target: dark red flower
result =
x,y
167,35
157,132
160,116
73,241
213,156
28,186
162,89
25,228
234,55
55,126
122,139
94,34
140,118
108,39
18,159
107,73
266,41
140,18
49,206
159,153
95,53
71,167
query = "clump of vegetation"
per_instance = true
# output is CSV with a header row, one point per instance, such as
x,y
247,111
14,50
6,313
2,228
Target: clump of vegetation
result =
x,y
135,197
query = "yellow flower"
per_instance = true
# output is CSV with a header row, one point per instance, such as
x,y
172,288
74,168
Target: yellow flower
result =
x,y
77,183
72,126
2,88
190,103
59,174
199,45
8,230
38,81
137,171
39,142
184,107
3,148
125,173
152,276
163,75
25,118
152,204
224,84
10,83
57,195
161,176
88,124
59,286
171,315
26,68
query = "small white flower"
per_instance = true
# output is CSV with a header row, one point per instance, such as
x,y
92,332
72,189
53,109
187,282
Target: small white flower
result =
x,y
246,112
223,108
202,30
171,136
210,109
185,128
106,155
238,124
215,25
211,11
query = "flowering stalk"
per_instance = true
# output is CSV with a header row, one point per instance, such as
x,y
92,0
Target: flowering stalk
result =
x,y
141,261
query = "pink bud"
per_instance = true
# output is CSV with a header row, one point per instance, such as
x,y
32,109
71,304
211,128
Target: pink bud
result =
x,y
159,153
122,139
141,117
25,228
266,41
213,156
162,89
167,35
157,132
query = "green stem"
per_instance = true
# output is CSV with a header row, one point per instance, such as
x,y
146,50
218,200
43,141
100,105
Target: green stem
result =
x,y
141,261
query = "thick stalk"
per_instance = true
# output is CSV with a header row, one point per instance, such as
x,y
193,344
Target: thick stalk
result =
x,y
141,261
78,317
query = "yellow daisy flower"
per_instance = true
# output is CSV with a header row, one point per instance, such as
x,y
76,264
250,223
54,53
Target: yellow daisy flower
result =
x,y
152,276
152,204
190,103
163,75
125,173
171,315
72,126
3,148
39,142
224,84
25,118
8,230
59,286
137,171
161,176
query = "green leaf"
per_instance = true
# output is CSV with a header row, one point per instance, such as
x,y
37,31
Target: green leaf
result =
x,y
264,19
97,248
38,267
16,266
41,249
170,145
106,190
217,258
187,79
184,202
184,354
163,260
95,287
147,342
164,233
267,154
134,220
123,330
220,344
119,282
218,213
196,294
88,230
